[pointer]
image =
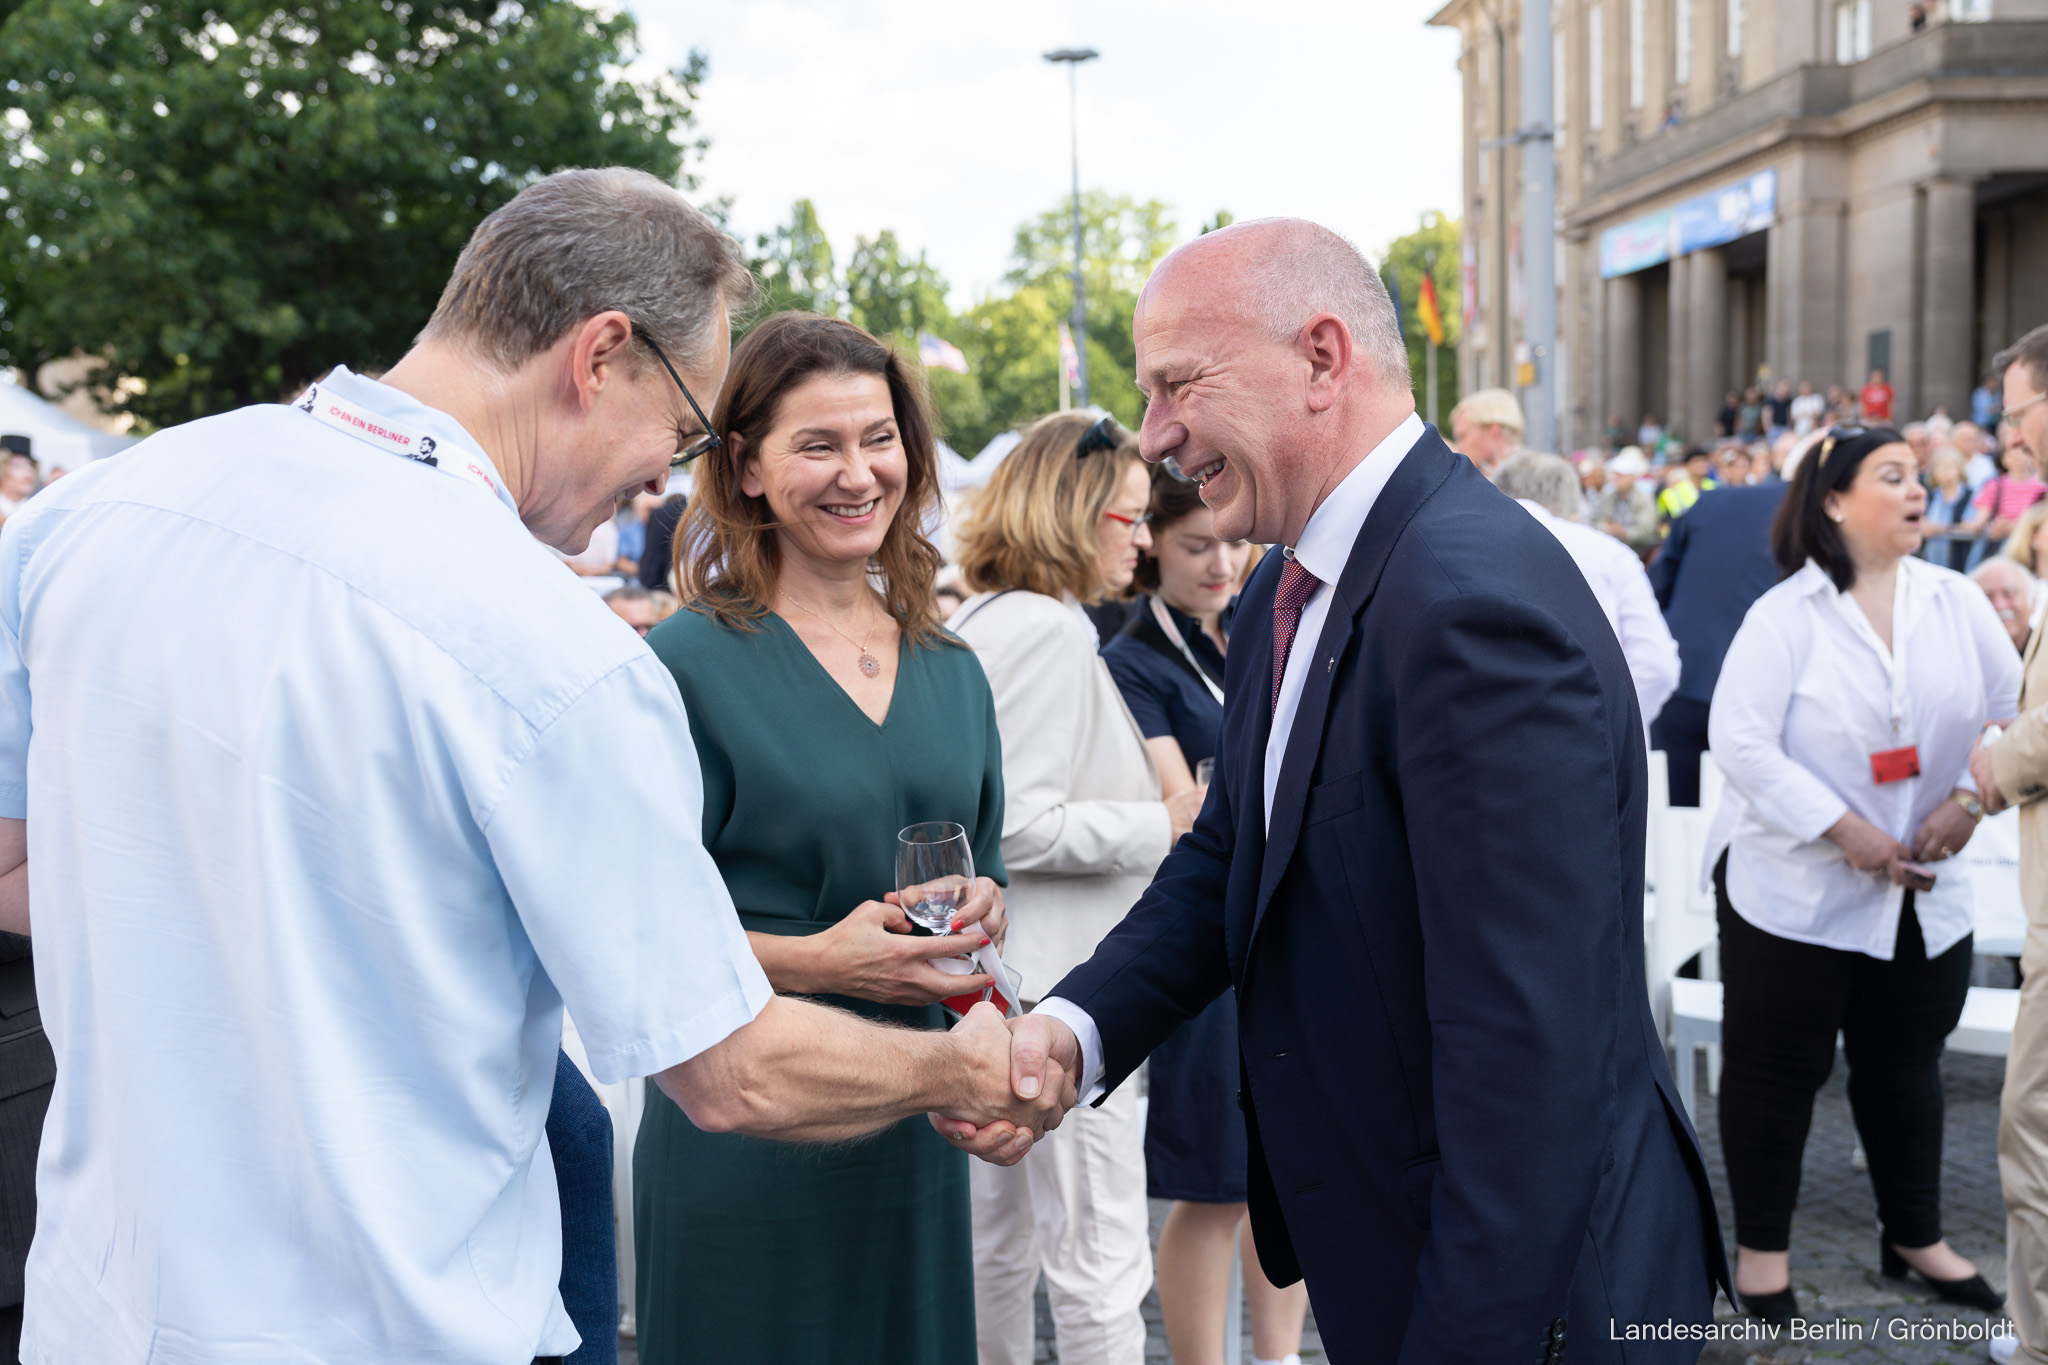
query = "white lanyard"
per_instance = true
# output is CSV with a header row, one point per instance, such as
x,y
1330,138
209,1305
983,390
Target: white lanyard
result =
x,y
1894,659
387,435
1159,614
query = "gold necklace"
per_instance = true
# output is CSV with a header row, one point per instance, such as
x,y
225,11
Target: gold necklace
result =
x,y
870,666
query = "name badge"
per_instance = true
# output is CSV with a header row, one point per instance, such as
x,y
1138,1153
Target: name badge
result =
x,y
1895,765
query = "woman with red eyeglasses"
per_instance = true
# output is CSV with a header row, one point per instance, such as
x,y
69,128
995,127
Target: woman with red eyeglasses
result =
x,y
1060,524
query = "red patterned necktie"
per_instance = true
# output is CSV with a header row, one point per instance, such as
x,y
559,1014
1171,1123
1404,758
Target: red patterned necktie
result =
x,y
1297,585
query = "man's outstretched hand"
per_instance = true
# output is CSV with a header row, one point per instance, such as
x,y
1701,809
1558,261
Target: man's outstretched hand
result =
x,y
1043,1064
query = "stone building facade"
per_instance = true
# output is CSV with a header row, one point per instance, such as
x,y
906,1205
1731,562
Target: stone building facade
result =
x,y
1760,189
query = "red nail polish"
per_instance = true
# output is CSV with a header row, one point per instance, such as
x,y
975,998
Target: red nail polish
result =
x,y
985,942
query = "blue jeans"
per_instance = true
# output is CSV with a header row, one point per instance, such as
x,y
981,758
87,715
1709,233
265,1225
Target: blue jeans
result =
x,y
580,1136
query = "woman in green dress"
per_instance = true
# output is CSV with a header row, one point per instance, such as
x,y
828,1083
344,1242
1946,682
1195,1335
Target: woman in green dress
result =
x,y
830,710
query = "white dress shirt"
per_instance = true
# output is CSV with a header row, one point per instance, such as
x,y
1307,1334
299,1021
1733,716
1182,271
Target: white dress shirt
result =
x,y
340,787
1807,694
1622,587
1324,549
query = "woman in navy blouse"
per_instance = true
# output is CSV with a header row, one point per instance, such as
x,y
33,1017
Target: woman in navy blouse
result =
x,y
1168,663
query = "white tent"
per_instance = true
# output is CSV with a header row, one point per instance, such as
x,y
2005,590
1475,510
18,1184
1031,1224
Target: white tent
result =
x,y
55,436
958,473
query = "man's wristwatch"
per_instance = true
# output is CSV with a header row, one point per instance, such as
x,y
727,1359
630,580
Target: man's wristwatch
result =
x,y
1970,804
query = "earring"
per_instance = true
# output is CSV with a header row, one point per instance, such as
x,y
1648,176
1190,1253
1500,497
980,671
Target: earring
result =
x,y
1839,518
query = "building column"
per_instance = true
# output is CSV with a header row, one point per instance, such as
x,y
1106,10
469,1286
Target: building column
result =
x,y
1948,298
1708,311
1678,349
1811,346
1622,395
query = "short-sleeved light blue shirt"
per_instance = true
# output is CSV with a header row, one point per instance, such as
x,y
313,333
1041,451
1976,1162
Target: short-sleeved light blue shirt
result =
x,y
338,786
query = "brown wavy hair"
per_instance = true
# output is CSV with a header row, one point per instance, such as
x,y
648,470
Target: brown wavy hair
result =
x,y
1037,525
727,557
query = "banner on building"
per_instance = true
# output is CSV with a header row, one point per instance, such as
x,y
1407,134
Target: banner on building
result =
x,y
1712,219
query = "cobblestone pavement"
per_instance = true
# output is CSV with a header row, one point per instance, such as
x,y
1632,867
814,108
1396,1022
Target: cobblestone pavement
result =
x,y
1835,1236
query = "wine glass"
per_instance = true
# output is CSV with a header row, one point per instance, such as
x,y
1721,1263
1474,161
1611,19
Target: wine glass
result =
x,y
934,869
1204,770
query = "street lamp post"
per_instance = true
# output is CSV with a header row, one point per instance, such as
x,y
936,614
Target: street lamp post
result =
x,y
1073,57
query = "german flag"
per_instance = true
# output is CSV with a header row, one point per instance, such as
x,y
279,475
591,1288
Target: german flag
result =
x,y
1426,309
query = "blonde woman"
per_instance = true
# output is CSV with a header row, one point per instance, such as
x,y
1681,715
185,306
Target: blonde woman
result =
x,y
1060,524
2028,545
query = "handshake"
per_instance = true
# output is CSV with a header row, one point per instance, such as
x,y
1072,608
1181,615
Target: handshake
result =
x,y
1020,1074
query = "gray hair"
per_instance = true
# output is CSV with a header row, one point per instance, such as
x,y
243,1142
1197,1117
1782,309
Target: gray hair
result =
x,y
1549,481
1318,271
584,242
1978,574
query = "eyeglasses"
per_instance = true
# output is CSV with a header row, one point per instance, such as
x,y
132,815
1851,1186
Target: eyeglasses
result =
x,y
705,440
2005,418
1104,435
1138,520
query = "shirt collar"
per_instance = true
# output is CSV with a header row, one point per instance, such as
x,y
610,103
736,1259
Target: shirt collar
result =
x,y
1814,581
1325,545
402,408
1537,510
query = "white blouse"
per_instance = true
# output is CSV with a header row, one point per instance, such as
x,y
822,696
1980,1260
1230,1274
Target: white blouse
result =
x,y
1807,694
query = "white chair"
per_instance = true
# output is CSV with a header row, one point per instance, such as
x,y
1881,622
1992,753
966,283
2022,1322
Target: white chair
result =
x,y
1985,1029
1680,922
1993,857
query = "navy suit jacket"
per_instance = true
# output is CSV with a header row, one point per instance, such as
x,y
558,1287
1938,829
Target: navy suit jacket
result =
x,y
1463,1129
1716,562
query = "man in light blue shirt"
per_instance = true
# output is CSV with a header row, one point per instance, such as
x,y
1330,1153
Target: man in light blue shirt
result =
x,y
303,735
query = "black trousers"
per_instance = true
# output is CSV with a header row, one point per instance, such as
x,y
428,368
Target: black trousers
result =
x,y
1680,730
1783,1003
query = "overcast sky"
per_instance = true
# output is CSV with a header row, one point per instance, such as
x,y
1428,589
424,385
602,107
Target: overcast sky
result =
x,y
941,120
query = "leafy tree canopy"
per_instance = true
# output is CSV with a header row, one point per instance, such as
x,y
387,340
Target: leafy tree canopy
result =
x,y
794,265
1434,248
1011,339
224,199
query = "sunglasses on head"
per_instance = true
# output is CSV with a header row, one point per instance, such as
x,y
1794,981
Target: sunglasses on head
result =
x,y
1104,435
1836,435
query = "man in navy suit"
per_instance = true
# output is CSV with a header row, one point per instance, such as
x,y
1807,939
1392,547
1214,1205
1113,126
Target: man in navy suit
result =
x,y
1717,562
1420,863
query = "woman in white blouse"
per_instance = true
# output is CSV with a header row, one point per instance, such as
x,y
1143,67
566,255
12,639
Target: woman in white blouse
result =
x,y
1061,522
1843,719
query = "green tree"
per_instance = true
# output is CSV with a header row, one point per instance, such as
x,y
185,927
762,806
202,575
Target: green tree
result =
x,y
897,298
223,199
891,294
1012,340
1433,248
795,267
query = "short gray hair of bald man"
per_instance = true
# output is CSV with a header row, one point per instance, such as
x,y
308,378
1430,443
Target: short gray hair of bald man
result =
x,y
1999,564
583,242
1319,271
1549,481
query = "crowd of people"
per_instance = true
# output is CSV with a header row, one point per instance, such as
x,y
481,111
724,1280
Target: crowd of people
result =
x,y
1285,746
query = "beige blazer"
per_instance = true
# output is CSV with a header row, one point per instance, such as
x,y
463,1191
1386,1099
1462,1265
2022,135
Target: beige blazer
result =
x,y
1083,825
2020,763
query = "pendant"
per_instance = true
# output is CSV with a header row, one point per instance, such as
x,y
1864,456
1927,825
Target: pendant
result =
x,y
870,665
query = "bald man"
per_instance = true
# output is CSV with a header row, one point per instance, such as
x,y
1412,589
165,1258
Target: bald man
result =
x,y
1420,864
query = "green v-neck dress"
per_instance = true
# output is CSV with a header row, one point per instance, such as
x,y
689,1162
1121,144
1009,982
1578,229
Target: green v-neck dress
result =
x,y
764,1253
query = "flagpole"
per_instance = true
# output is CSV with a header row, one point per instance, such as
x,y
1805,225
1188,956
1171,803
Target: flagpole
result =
x,y
1429,273
1432,382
